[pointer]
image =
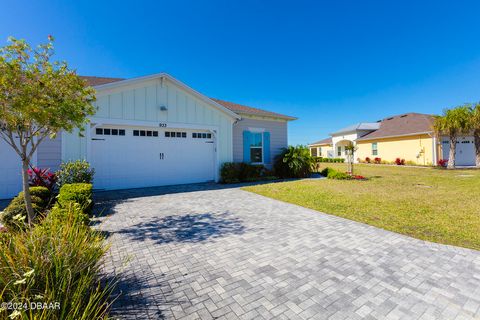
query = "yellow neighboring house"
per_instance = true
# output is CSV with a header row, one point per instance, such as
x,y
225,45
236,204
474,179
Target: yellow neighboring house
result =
x,y
407,136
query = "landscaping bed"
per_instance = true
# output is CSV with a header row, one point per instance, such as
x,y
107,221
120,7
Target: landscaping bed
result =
x,y
51,268
436,205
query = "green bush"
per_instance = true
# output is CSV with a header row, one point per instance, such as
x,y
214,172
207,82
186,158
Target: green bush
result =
x,y
235,172
294,162
80,193
14,217
329,160
334,174
78,171
57,261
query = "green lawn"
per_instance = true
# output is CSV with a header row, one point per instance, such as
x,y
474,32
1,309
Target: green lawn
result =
x,y
430,204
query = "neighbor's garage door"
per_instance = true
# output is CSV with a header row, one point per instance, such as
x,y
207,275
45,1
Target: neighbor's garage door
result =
x,y
464,151
133,157
10,171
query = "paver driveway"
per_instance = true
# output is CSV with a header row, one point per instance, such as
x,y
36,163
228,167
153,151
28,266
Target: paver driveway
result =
x,y
197,253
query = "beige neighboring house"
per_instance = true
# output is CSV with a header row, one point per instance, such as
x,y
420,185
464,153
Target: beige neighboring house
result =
x,y
406,136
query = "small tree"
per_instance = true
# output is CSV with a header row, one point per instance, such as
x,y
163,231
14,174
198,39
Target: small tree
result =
x,y
38,98
453,122
350,153
475,124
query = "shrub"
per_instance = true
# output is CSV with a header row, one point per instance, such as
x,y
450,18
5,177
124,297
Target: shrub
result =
x,y
78,171
442,163
294,162
15,215
235,172
42,178
56,262
80,193
400,162
334,174
368,160
377,160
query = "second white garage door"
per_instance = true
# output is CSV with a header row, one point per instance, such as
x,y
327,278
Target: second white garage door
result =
x,y
135,157
464,151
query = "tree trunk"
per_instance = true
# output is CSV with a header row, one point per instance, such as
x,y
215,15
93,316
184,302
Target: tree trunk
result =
x,y
451,156
476,137
26,193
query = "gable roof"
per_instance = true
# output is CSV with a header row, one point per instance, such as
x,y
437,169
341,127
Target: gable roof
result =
x,y
402,125
97,81
358,126
231,106
326,141
242,109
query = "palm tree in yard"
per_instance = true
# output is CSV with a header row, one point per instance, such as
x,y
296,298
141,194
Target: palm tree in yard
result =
x,y
453,123
475,124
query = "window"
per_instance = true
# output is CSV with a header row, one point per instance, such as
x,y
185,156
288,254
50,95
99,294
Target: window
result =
x,y
172,134
108,132
142,133
256,148
319,151
339,151
201,135
374,149
313,151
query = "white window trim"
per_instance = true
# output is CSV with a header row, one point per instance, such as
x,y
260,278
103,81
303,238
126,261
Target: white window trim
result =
x,y
263,153
256,130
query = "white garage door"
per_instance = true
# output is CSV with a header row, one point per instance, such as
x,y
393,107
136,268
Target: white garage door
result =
x,y
10,171
464,151
134,157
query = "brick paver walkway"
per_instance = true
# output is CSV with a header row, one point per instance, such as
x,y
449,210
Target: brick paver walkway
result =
x,y
227,253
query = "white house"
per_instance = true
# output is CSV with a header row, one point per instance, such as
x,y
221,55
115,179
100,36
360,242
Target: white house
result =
x,y
155,130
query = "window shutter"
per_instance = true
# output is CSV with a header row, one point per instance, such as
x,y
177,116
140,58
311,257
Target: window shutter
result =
x,y
247,142
266,147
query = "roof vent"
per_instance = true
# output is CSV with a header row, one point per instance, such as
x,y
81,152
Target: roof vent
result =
x,y
390,118
403,116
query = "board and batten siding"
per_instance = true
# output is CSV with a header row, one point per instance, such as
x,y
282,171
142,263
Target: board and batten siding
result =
x,y
142,101
49,153
278,136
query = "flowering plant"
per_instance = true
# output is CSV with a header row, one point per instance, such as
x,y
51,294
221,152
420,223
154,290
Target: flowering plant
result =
x,y
41,178
400,162
377,160
368,160
442,162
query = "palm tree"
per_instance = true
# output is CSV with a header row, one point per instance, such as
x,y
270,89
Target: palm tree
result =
x,y
475,124
453,122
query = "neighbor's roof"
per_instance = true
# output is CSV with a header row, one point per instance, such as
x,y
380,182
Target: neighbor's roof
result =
x,y
326,141
242,109
358,126
402,125
235,107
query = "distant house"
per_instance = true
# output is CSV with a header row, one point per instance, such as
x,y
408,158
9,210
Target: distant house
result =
x,y
407,136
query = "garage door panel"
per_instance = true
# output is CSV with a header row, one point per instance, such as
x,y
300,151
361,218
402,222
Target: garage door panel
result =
x,y
132,161
464,151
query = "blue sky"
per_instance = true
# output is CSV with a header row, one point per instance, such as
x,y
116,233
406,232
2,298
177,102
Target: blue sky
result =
x,y
330,63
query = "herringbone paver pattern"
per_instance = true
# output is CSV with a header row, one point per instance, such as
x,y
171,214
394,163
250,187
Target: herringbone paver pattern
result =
x,y
230,254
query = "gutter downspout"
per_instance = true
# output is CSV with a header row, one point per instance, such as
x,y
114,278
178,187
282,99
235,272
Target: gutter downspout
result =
x,y
434,149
